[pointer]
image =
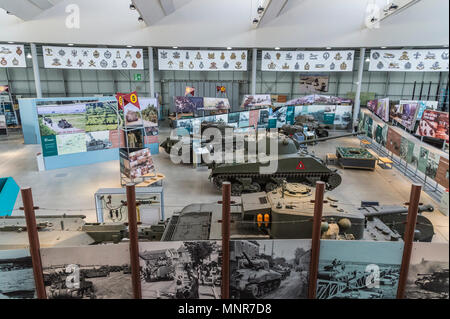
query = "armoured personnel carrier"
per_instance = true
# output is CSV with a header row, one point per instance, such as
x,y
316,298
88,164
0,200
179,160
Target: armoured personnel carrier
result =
x,y
293,166
287,213
437,281
62,123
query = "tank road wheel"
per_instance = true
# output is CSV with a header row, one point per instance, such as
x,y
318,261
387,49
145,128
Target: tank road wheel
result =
x,y
333,181
218,180
236,189
270,187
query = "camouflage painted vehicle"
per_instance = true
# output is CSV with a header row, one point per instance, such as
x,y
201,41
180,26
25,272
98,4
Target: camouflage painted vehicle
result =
x,y
253,278
293,167
62,123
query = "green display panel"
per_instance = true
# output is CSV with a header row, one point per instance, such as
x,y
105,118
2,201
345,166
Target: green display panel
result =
x,y
49,146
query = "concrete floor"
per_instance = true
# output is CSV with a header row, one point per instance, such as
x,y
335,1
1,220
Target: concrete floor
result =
x,y
71,190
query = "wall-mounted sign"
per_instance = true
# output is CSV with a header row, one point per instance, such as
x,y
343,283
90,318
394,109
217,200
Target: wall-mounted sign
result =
x,y
434,60
12,56
93,58
307,61
202,60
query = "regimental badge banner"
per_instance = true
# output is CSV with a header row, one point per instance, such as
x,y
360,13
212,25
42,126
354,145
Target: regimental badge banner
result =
x,y
434,60
92,58
12,56
308,61
202,60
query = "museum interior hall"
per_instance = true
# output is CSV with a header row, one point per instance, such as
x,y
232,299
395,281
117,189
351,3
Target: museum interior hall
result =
x,y
238,149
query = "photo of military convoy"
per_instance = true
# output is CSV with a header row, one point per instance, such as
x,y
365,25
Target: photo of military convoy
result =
x,y
269,269
428,275
358,269
87,272
180,270
62,119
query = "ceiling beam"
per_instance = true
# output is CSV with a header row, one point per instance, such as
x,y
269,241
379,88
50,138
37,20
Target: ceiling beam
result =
x,y
272,9
27,9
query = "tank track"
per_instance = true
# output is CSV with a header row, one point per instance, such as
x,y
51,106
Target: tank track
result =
x,y
304,178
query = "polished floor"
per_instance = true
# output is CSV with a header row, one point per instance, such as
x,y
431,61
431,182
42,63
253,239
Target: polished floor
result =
x,y
71,190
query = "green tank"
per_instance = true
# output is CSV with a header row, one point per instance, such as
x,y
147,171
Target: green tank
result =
x,y
294,166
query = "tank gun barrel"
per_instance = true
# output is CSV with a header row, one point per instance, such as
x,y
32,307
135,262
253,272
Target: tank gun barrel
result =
x,y
321,139
376,211
248,259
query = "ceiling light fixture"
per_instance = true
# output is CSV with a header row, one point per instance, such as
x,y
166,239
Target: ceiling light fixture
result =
x,y
255,21
132,7
140,19
174,47
10,42
328,48
368,60
29,56
277,48
70,44
260,9
129,46
383,47
229,48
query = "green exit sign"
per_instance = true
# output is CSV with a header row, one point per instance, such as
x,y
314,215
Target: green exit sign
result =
x,y
138,77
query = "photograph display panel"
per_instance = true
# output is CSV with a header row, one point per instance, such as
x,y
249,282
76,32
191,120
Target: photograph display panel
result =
x,y
16,275
269,269
87,272
256,100
181,270
188,104
434,124
358,269
12,56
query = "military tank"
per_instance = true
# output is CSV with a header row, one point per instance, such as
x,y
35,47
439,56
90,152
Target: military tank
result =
x,y
253,278
437,281
62,123
292,166
312,124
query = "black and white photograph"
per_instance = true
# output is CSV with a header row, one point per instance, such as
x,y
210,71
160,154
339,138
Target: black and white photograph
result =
x,y
313,84
16,275
181,270
87,272
358,269
269,269
428,275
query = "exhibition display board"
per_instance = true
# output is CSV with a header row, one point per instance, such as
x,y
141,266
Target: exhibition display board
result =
x,y
12,56
78,131
338,115
93,58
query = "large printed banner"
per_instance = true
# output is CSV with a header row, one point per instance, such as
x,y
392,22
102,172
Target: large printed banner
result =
x,y
380,108
434,60
307,61
92,58
202,60
12,56
434,124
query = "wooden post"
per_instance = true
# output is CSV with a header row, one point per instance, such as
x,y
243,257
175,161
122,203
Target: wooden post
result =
x,y
33,237
315,244
134,245
408,238
226,216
